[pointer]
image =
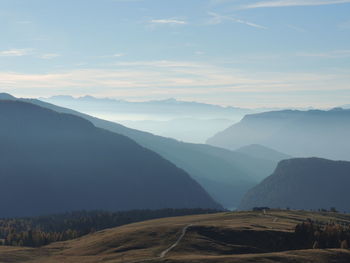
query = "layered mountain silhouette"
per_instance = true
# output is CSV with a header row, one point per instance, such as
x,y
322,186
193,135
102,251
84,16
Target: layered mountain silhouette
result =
x,y
53,162
303,183
226,175
186,121
262,152
169,106
298,133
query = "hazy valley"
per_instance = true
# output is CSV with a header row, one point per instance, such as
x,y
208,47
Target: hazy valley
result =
x,y
74,162
202,131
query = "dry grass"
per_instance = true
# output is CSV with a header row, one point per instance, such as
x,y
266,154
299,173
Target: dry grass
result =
x,y
205,241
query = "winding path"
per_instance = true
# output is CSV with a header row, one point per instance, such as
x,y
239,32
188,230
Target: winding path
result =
x,y
184,230
165,252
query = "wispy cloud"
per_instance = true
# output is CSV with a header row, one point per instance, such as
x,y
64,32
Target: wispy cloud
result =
x,y
218,19
170,21
161,64
118,55
49,56
15,52
167,78
288,3
115,55
329,54
27,52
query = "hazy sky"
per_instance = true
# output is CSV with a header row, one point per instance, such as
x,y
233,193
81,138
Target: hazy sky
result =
x,y
248,53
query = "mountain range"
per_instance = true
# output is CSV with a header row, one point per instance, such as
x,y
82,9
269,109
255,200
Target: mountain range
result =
x,y
169,106
314,133
183,120
226,175
55,162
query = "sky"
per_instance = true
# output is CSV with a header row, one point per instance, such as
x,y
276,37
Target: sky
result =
x,y
245,53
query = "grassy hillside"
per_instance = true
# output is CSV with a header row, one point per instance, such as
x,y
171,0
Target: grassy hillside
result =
x,y
43,230
224,237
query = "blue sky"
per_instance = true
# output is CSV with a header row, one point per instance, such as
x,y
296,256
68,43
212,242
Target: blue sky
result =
x,y
248,53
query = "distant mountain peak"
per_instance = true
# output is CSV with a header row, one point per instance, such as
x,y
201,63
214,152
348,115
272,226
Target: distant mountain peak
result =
x,y
337,109
59,97
88,97
171,100
6,96
168,101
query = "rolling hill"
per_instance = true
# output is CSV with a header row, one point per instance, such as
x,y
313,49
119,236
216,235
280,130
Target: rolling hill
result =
x,y
225,175
310,183
238,237
52,162
312,133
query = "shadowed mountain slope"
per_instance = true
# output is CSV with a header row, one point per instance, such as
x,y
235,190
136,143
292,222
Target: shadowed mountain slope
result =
x,y
298,133
309,183
52,162
225,174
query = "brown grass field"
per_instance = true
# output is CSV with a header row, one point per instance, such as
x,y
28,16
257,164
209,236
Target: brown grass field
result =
x,y
225,237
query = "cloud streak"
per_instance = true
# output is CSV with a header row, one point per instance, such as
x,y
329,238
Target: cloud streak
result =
x,y
28,52
15,52
150,79
290,3
218,19
168,21
49,56
330,54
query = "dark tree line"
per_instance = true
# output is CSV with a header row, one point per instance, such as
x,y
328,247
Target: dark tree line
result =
x,y
314,235
43,230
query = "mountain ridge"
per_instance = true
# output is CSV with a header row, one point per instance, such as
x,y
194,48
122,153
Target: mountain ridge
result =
x,y
303,183
263,152
64,163
232,172
298,133
162,101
